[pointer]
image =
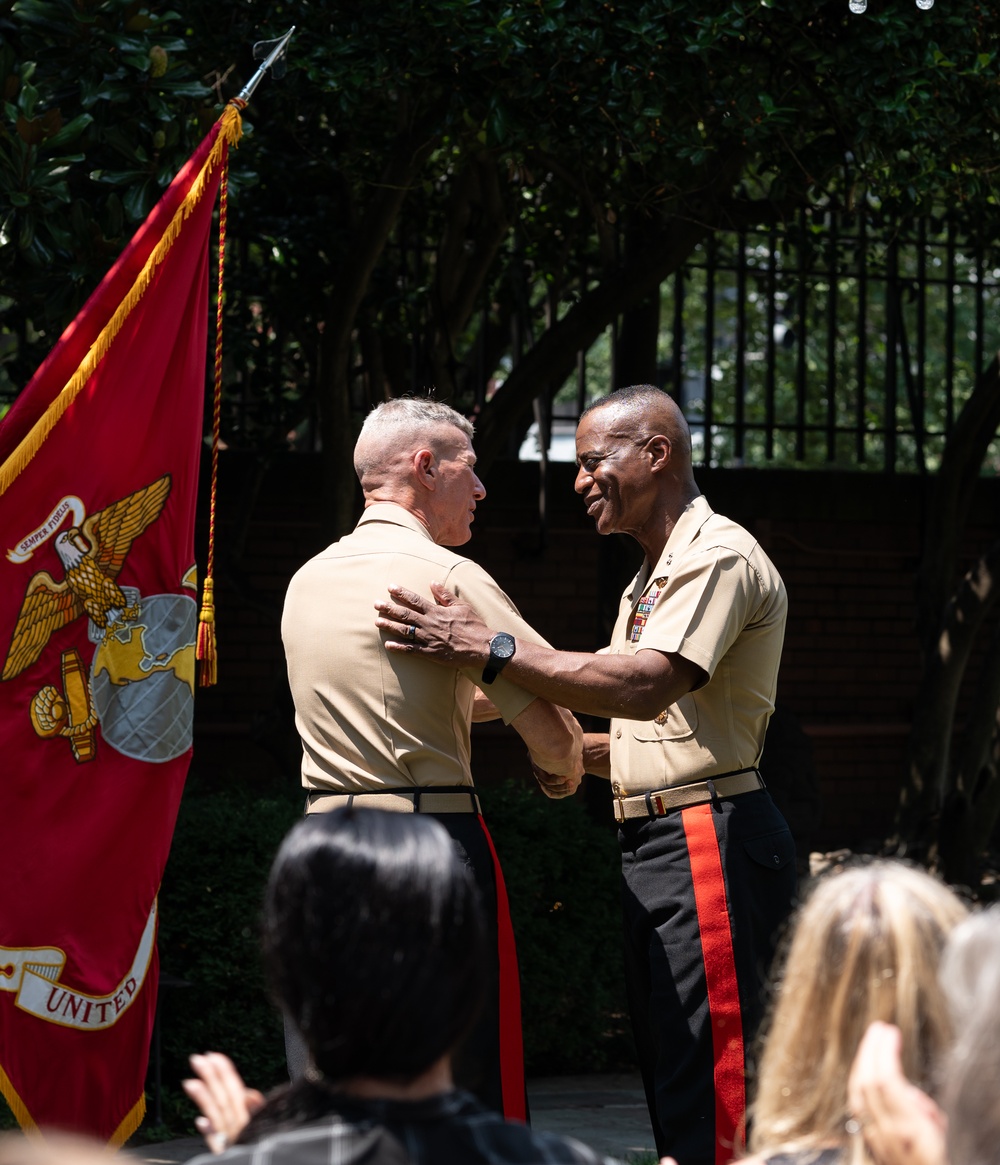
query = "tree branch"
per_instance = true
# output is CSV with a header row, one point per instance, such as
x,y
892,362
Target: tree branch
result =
x,y
934,707
554,355
951,499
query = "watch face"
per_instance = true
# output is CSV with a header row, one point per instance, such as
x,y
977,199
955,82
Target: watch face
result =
x,y
502,645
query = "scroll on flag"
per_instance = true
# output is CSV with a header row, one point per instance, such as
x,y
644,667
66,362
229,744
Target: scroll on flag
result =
x,y
99,462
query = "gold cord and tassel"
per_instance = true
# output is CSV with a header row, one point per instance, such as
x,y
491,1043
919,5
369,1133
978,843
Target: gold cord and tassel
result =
x,y
206,650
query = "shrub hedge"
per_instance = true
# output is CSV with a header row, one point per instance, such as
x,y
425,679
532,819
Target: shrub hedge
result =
x,y
562,881
561,870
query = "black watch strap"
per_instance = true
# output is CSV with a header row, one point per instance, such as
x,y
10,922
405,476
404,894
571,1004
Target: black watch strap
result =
x,y
502,648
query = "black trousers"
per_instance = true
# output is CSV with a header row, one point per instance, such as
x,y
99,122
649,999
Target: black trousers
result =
x,y
705,893
490,1061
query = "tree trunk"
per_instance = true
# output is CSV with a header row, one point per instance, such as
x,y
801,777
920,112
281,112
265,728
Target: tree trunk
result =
x,y
947,628
476,227
930,774
973,803
553,357
636,358
333,380
637,344
953,490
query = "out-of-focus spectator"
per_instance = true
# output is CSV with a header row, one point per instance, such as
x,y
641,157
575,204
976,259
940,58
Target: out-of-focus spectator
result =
x,y
374,947
865,946
900,1123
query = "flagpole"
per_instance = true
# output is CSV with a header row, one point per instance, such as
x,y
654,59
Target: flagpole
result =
x,y
247,91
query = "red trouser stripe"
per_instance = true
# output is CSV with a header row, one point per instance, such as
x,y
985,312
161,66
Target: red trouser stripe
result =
x,y
720,975
511,1043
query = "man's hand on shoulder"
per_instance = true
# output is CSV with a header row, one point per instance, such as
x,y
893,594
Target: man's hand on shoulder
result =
x,y
446,631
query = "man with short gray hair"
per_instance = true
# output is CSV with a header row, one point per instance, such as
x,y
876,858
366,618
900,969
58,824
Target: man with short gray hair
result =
x,y
688,683
393,732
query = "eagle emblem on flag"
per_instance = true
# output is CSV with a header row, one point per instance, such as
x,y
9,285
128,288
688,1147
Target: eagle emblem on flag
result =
x,y
92,556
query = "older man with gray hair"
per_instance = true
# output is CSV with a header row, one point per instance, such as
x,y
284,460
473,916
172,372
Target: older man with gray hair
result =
x,y
393,732
688,683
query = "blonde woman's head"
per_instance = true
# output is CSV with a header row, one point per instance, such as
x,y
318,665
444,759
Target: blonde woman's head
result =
x,y
866,946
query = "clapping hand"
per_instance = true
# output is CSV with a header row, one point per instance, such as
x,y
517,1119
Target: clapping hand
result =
x,y
225,1102
901,1124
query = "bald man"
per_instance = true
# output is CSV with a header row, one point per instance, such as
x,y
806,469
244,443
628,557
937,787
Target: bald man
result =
x,y
392,732
688,683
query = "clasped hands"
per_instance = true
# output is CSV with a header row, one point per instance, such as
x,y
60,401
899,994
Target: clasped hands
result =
x,y
555,785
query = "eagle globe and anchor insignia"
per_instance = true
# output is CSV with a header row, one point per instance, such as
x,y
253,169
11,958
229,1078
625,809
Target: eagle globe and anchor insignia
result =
x,y
139,685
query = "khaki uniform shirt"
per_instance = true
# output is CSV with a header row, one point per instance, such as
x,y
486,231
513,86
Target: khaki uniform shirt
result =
x,y
368,719
715,598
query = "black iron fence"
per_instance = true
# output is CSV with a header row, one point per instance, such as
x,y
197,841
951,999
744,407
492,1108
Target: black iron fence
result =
x,y
830,342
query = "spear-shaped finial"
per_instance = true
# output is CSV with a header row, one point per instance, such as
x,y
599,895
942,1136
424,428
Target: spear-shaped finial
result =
x,y
272,58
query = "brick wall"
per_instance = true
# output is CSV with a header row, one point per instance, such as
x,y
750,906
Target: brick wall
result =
x,y
846,546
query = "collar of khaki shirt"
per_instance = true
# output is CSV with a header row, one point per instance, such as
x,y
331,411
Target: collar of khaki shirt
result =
x,y
695,514
395,515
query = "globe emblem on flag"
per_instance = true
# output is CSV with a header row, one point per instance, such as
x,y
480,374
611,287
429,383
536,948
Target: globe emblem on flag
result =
x,y
142,680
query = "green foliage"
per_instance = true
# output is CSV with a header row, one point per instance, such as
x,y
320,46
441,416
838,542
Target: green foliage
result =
x,y
566,128
434,185
7,1120
99,111
209,938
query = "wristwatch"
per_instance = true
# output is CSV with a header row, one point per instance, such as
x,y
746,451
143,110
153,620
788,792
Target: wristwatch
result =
x,y
502,648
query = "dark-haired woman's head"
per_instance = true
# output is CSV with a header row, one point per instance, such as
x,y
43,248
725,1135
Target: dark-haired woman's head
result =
x,y
374,942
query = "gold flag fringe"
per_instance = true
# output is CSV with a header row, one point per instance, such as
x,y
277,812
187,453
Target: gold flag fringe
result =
x,y
16,1104
230,132
133,1119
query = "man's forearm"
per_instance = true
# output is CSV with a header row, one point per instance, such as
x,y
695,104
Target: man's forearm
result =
x,y
597,754
553,736
631,687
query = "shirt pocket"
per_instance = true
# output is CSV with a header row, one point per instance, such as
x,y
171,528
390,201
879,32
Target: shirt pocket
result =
x,y
678,722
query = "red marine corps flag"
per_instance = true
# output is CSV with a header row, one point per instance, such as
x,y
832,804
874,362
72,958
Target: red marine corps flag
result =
x,y
98,627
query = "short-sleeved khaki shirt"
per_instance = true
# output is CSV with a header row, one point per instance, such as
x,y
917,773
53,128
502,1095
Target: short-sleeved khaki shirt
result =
x,y
715,598
369,719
